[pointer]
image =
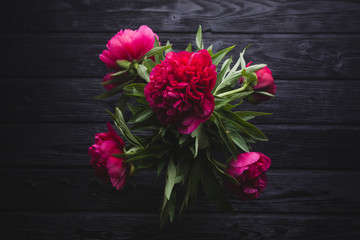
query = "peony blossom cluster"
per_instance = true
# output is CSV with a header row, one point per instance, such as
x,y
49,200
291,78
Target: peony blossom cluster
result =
x,y
184,107
179,91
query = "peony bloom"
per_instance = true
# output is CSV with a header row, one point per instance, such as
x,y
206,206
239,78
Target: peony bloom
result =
x,y
128,45
108,167
179,91
265,83
249,169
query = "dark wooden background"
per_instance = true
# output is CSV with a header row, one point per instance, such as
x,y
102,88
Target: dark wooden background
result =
x,y
50,72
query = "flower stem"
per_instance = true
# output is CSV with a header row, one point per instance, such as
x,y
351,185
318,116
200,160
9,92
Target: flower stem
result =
x,y
234,91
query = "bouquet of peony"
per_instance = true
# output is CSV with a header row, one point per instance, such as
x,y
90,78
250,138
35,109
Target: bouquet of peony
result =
x,y
183,117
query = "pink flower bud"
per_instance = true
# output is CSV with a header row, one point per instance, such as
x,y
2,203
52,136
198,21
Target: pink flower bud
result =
x,y
265,83
249,169
108,167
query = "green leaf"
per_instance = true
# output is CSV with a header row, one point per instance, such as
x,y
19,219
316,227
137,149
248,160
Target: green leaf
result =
x,y
216,59
113,91
183,138
119,73
122,101
237,138
265,93
170,180
157,50
221,102
135,90
183,168
244,126
250,113
133,150
168,209
160,166
143,72
254,68
144,163
160,56
157,151
242,60
121,125
231,78
214,190
192,183
219,167
199,40
120,79
169,49
201,139
149,64
141,115
133,109
119,155
189,48
225,135
123,64
224,70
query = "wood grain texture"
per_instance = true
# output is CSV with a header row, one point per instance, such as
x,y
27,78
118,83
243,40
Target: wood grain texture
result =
x,y
49,74
290,146
72,100
295,56
295,191
99,225
217,16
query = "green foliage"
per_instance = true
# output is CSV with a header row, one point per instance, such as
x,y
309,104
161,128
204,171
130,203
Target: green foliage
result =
x,y
214,190
169,49
113,91
170,179
143,72
189,48
199,39
156,51
216,59
201,140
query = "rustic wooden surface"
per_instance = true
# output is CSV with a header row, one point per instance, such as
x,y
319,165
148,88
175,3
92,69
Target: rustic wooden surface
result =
x,y
50,73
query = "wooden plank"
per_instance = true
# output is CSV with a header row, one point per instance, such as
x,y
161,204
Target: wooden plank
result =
x,y
294,56
217,16
113,225
288,191
290,146
72,100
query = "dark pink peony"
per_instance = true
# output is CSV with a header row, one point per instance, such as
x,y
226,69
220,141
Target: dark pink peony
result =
x,y
108,167
249,169
128,45
265,84
179,91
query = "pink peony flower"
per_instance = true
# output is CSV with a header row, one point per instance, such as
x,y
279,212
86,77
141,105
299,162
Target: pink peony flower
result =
x,y
108,167
265,84
249,169
179,91
128,45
